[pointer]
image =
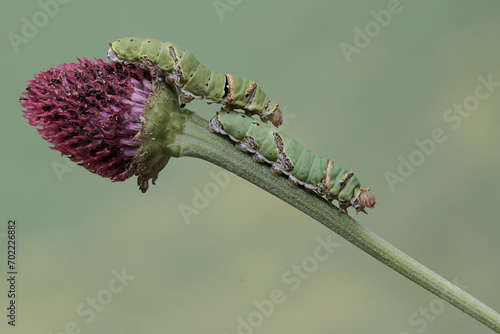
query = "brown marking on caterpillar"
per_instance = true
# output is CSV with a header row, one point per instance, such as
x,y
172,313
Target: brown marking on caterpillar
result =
x,y
230,91
325,181
250,90
173,54
185,99
343,181
283,164
177,72
215,125
292,183
145,63
279,142
276,170
249,95
240,147
259,158
249,145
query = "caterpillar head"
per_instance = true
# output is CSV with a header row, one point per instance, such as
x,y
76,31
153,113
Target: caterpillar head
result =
x,y
272,113
277,118
125,49
112,56
366,199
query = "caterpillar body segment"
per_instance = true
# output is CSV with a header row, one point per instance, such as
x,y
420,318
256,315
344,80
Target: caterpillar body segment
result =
x,y
193,80
286,156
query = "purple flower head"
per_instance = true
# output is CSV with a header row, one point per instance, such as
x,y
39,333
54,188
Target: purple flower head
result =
x,y
91,111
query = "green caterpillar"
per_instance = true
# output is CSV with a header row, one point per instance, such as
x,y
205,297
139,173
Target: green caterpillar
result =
x,y
288,157
193,80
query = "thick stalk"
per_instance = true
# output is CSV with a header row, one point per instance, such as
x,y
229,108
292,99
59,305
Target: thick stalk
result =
x,y
196,141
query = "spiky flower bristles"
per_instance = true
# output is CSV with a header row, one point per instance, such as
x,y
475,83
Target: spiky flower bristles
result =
x,y
91,111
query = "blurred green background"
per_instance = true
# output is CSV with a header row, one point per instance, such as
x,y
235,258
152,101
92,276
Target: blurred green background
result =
x,y
364,107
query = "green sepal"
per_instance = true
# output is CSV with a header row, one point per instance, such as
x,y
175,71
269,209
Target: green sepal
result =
x,y
164,120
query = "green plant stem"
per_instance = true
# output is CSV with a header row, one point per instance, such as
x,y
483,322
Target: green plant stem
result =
x,y
196,141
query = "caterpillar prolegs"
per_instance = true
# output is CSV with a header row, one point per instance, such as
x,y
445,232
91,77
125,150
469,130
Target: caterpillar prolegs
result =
x,y
288,157
193,80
